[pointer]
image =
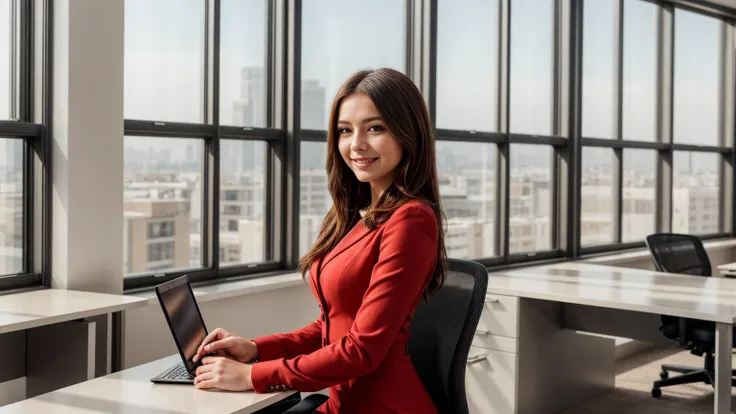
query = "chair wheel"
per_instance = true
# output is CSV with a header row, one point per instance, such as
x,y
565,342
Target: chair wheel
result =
x,y
664,374
656,392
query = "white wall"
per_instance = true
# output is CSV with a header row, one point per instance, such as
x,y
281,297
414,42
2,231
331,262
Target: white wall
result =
x,y
146,334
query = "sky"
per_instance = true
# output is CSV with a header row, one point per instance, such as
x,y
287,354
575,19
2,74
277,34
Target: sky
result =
x,y
164,62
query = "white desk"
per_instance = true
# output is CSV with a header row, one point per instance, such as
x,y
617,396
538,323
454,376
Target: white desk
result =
x,y
728,269
130,391
577,297
78,324
19,311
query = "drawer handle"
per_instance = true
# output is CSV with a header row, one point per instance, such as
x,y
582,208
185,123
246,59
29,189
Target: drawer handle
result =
x,y
477,358
482,332
491,299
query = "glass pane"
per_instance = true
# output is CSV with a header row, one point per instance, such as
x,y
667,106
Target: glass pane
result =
x,y
599,86
243,63
163,196
598,204
695,193
314,197
467,65
11,206
340,37
697,78
530,201
531,66
640,71
467,176
639,196
242,207
8,58
164,60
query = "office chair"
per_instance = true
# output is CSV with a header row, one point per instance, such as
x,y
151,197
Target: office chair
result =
x,y
684,254
441,333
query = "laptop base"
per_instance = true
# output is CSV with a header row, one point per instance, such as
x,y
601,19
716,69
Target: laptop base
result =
x,y
176,374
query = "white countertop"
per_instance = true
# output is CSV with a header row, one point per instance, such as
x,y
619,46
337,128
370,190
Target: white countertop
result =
x,y
131,391
706,298
28,310
728,267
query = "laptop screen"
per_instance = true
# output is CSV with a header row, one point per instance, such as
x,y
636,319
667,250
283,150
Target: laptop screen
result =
x,y
184,319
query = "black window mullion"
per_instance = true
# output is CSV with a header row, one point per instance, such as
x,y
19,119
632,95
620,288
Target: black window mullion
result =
x,y
214,101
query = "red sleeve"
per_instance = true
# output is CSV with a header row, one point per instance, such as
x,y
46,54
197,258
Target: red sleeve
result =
x,y
405,260
302,341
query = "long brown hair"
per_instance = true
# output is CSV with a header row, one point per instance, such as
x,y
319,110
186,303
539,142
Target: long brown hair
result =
x,y
405,113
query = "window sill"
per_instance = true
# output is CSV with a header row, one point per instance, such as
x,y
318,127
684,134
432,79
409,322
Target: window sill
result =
x,y
231,289
640,254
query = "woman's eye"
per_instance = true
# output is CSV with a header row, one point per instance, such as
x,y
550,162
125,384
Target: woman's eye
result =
x,y
376,128
342,130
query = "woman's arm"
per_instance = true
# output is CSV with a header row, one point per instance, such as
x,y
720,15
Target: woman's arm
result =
x,y
289,345
406,258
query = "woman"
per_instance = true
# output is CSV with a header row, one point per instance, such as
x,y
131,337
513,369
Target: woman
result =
x,y
380,249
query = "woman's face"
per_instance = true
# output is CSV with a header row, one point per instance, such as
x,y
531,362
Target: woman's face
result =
x,y
366,144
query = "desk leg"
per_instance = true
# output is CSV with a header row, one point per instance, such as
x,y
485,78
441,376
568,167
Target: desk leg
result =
x,y
724,344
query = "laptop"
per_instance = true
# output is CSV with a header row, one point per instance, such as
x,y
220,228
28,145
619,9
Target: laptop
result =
x,y
187,327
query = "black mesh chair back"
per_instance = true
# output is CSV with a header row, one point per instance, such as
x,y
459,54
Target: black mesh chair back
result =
x,y
679,253
442,331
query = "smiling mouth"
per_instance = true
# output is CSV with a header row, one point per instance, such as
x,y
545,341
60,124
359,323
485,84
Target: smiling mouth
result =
x,y
364,161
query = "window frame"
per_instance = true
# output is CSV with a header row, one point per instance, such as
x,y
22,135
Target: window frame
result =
x,y
284,135
664,144
211,133
30,122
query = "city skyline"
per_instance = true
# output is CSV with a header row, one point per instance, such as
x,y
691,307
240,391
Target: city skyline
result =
x,y
164,81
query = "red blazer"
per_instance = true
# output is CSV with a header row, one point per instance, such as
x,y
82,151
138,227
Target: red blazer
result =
x,y
368,287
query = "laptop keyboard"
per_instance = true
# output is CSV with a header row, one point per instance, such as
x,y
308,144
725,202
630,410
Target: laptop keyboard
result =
x,y
177,372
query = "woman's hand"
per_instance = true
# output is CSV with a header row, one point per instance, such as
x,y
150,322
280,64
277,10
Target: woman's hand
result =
x,y
227,344
223,373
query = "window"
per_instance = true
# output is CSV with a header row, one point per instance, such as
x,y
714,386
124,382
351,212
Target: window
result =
x,y
340,37
314,196
639,70
532,66
161,229
162,182
696,193
158,252
21,140
467,176
467,65
697,83
242,206
598,197
164,60
599,83
242,63
11,206
8,59
530,198
639,194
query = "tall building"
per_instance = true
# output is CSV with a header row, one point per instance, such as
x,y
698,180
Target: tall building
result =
x,y
313,105
155,235
249,110
11,227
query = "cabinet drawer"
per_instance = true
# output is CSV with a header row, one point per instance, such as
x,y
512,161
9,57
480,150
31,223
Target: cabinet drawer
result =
x,y
500,316
486,340
490,382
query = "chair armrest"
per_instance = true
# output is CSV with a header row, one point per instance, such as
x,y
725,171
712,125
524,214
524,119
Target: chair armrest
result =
x,y
307,405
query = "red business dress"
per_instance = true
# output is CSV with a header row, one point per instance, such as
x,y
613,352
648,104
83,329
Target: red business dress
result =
x,y
368,287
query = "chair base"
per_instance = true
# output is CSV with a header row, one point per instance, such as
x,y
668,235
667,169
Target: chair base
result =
x,y
689,375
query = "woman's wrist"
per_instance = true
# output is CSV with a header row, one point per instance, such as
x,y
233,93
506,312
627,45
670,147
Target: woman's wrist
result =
x,y
256,357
